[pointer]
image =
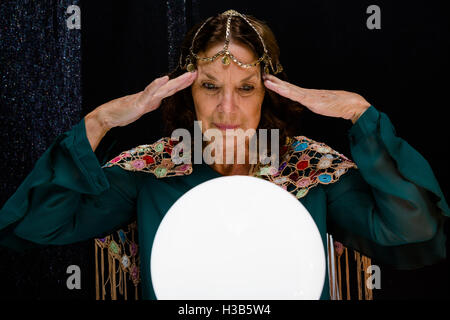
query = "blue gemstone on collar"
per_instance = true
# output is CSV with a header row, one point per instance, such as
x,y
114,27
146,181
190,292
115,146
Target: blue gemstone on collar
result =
x,y
300,146
324,177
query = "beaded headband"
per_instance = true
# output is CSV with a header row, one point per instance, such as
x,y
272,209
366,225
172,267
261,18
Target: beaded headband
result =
x,y
227,55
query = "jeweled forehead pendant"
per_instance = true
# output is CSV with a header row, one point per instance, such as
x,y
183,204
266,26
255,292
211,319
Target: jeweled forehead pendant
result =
x,y
227,55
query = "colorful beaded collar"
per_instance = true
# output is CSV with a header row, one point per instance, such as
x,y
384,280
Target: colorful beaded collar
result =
x,y
305,163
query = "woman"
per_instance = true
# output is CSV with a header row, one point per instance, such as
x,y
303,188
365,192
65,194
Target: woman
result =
x,y
386,204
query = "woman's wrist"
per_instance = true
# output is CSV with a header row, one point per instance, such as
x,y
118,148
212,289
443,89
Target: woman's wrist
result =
x,y
356,117
96,128
362,107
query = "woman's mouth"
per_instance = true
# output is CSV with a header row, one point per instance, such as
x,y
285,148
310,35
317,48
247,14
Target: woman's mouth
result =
x,y
224,126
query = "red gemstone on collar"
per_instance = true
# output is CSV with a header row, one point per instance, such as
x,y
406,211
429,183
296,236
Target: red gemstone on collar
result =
x,y
301,165
168,150
294,176
148,159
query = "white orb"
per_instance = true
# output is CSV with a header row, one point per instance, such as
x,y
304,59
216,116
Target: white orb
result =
x,y
236,238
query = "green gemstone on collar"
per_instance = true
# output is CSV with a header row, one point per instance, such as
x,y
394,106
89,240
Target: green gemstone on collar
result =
x,y
159,147
160,172
264,171
301,193
114,247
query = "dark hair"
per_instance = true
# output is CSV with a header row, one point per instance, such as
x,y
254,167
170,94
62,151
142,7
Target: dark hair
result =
x,y
277,112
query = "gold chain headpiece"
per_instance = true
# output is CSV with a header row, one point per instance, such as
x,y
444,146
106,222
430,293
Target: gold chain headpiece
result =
x,y
227,55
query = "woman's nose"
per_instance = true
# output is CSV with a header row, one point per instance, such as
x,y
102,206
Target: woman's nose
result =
x,y
228,102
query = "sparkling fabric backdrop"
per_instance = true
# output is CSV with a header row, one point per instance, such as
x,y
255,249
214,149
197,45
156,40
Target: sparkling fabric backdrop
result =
x,y
181,16
40,92
176,28
40,97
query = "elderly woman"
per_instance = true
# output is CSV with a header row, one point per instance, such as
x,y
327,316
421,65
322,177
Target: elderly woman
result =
x,y
385,203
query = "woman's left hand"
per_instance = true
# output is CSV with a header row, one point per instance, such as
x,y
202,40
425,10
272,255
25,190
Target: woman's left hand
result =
x,y
331,103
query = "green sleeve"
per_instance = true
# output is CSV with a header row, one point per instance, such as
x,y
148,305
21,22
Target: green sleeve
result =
x,y
391,208
67,197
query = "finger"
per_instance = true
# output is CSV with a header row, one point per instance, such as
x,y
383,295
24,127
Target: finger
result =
x,y
146,95
272,78
179,81
275,80
180,87
176,85
287,89
278,81
155,85
281,89
291,92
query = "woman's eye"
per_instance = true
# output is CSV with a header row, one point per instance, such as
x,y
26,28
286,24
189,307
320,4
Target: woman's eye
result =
x,y
209,86
247,88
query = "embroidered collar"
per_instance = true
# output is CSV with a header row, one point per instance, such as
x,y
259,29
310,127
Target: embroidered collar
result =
x,y
304,164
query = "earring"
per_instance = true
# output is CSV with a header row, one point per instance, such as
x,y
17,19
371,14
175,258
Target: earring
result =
x,y
190,66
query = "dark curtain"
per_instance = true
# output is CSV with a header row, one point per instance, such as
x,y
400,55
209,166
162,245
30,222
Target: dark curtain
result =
x,y
40,97
53,76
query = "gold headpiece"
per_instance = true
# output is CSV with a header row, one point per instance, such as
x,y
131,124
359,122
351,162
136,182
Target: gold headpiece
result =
x,y
227,55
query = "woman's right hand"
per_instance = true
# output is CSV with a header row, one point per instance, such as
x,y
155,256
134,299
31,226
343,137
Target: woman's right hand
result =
x,y
125,110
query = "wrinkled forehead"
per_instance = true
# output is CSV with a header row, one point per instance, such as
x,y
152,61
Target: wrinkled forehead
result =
x,y
242,52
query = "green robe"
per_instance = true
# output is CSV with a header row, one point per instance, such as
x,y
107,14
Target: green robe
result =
x,y
390,207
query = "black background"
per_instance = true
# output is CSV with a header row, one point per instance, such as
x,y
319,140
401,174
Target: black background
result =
x,y
401,69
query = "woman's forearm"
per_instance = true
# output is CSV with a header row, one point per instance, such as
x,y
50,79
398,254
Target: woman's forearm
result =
x,y
96,128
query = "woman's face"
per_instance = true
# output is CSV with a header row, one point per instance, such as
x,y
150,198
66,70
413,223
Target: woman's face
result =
x,y
228,96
